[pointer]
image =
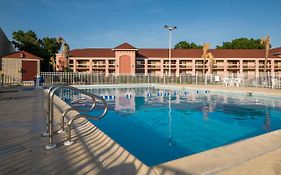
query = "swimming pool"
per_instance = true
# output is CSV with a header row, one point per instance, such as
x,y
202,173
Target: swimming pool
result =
x,y
158,125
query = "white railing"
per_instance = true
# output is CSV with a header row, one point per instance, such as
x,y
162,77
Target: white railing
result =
x,y
73,78
6,80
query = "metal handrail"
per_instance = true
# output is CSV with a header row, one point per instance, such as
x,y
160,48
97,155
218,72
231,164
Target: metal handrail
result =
x,y
46,133
51,94
62,119
69,124
69,110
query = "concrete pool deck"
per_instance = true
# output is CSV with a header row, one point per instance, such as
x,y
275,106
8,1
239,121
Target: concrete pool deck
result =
x,y
22,148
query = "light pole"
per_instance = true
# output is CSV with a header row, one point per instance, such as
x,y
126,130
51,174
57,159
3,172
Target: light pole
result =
x,y
170,28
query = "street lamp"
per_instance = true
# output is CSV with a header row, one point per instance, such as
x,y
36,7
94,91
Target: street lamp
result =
x,y
170,28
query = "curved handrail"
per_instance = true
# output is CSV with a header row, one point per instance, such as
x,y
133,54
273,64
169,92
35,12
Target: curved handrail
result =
x,y
48,105
51,109
69,124
66,112
62,119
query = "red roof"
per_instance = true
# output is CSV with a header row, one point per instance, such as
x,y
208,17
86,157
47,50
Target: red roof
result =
x,y
164,53
176,53
125,46
92,53
276,51
22,55
238,53
197,53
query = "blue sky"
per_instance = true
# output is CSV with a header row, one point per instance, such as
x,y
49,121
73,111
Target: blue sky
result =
x,y
108,23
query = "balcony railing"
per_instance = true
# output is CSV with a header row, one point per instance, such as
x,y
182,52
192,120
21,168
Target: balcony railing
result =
x,y
154,66
262,66
167,65
218,67
200,66
138,66
82,66
186,66
236,66
249,66
98,66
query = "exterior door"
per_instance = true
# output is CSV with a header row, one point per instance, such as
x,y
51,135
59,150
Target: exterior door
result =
x,y
125,64
29,70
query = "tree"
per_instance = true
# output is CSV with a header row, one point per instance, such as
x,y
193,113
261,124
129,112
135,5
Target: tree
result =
x,y
187,45
52,47
65,50
204,55
27,41
44,48
242,43
210,57
266,42
67,69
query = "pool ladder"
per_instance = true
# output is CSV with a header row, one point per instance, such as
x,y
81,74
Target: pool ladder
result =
x,y
81,113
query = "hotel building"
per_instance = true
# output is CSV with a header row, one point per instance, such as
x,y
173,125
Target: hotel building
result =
x,y
126,59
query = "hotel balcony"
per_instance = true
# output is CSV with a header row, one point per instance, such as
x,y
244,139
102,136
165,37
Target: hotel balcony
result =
x,y
151,66
277,66
233,66
261,66
200,66
185,66
245,66
82,66
217,66
100,66
167,66
139,66
111,66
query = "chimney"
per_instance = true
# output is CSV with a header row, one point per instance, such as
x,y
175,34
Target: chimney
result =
x,y
22,55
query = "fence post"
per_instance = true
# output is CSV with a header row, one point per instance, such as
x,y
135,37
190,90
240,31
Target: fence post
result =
x,y
52,78
196,76
180,78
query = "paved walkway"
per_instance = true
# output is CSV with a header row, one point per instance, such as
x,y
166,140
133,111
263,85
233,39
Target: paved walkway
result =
x,y
22,120
253,90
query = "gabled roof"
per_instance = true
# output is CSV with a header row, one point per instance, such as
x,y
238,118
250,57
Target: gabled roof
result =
x,y
22,55
125,46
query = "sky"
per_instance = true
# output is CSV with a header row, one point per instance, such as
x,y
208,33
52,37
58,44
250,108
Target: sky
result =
x,y
109,23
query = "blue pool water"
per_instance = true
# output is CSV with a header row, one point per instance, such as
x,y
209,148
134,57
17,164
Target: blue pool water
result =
x,y
158,129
